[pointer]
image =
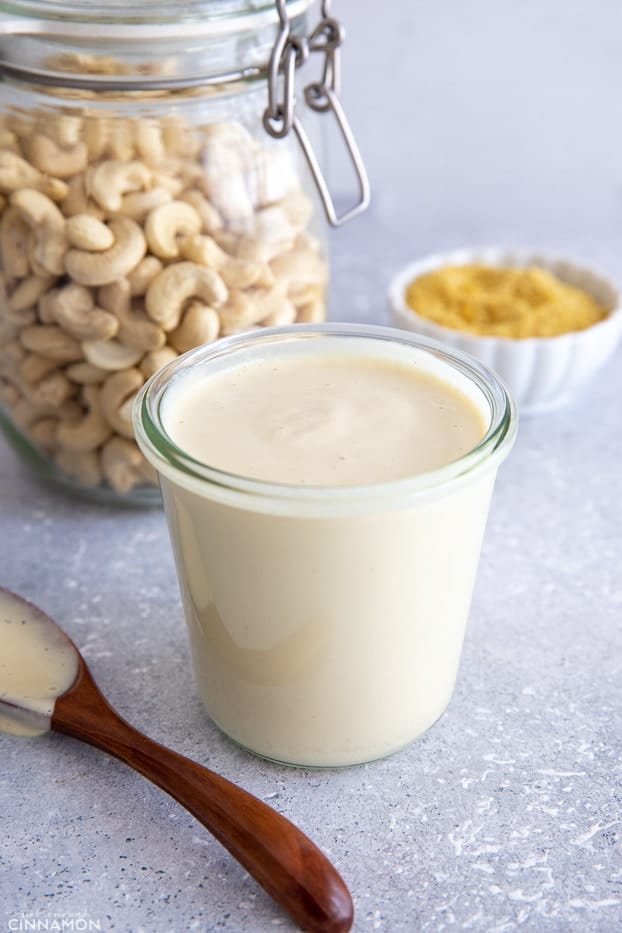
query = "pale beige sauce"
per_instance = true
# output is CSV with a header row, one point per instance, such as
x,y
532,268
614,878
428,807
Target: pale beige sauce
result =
x,y
37,664
333,638
323,420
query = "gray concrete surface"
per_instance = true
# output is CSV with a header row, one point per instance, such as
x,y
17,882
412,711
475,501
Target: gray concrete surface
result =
x,y
501,126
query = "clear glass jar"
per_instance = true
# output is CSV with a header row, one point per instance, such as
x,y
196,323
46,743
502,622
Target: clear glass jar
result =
x,y
300,655
145,211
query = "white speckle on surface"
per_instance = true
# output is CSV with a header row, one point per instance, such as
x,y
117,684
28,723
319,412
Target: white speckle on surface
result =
x,y
594,905
550,772
585,839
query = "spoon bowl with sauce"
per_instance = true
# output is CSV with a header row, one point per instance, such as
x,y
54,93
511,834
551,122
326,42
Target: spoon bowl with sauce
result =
x,y
45,685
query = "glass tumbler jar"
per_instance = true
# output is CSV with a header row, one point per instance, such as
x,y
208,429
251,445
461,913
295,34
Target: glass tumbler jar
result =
x,y
325,622
152,200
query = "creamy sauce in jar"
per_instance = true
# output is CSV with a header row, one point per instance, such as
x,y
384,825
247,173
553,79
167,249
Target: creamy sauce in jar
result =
x,y
323,420
326,616
38,664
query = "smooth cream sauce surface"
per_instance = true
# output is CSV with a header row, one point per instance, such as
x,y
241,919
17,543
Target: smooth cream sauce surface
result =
x,y
38,664
323,420
326,637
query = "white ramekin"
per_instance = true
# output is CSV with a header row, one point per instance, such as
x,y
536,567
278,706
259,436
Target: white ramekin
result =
x,y
541,372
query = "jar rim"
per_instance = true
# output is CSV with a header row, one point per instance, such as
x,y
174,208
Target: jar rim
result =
x,y
171,460
210,43
144,18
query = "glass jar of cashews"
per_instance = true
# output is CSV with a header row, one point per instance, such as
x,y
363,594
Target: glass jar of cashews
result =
x,y
160,187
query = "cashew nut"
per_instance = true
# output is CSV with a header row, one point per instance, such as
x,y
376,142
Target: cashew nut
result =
x,y
239,312
95,134
285,314
82,465
170,183
16,173
86,374
76,200
120,140
166,223
25,413
35,266
175,285
297,208
101,268
303,269
275,175
43,432
235,273
47,225
179,137
14,232
143,274
21,318
152,362
138,204
34,367
20,123
149,143
28,292
9,331
52,390
87,232
273,225
189,174
64,128
135,328
90,431
147,473
110,354
12,352
45,307
122,464
229,161
74,309
199,324
210,218
52,159
250,247
52,342
8,140
313,311
244,309
9,394
116,398
110,180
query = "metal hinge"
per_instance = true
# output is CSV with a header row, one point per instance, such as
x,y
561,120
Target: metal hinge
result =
x,y
289,53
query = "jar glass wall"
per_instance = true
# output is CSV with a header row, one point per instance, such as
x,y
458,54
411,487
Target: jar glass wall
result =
x,y
145,211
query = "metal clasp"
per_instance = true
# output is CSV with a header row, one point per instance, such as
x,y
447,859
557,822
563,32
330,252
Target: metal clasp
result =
x,y
288,54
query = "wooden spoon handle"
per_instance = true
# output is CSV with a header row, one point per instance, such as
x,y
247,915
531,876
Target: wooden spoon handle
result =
x,y
274,851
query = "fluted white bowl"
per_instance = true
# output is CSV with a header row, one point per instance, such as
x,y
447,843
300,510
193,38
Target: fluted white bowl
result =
x,y
542,373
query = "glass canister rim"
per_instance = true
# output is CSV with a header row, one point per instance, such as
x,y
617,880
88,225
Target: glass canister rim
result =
x,y
207,45
170,459
148,18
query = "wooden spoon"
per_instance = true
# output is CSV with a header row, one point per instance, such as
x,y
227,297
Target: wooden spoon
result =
x,y
276,853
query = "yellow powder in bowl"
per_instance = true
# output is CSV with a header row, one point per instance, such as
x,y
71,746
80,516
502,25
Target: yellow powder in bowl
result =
x,y
502,301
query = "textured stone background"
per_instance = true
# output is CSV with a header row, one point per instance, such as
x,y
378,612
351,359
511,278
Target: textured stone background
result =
x,y
486,121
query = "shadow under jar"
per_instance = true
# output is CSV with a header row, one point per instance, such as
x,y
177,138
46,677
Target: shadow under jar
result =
x,y
145,210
